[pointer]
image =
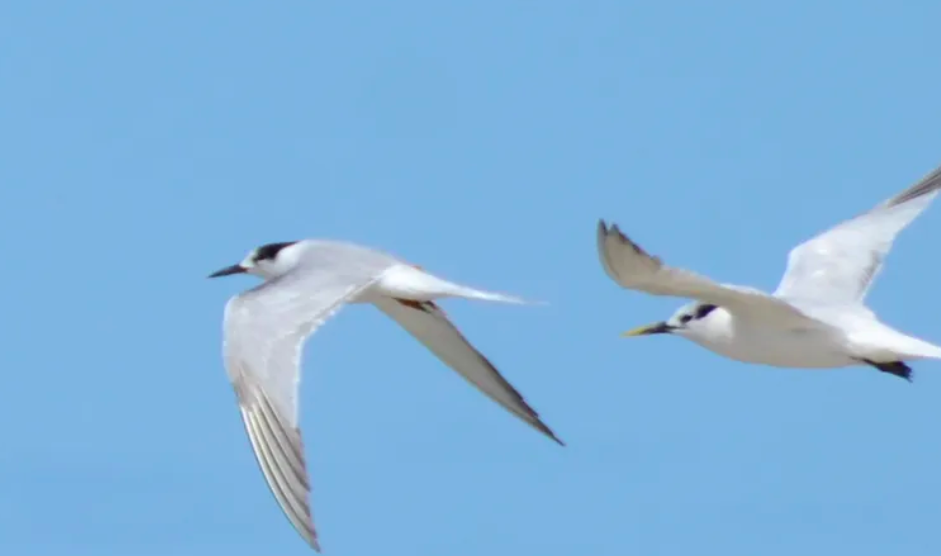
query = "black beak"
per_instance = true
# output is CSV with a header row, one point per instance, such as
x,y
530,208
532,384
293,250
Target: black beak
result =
x,y
234,269
658,328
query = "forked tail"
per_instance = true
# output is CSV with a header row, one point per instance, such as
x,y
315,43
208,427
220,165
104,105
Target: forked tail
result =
x,y
409,282
482,295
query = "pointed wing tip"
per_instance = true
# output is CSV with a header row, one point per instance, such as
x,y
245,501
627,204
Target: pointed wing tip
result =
x,y
606,230
309,533
537,424
306,530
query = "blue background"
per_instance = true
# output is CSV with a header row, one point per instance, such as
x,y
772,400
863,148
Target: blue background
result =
x,y
146,144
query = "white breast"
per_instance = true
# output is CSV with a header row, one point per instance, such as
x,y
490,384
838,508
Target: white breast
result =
x,y
751,342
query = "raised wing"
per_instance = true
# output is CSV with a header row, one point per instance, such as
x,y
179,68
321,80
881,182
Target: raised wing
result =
x,y
839,265
430,326
633,268
265,330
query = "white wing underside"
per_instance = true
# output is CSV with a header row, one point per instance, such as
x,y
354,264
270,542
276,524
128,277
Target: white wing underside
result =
x,y
633,268
838,266
430,326
264,333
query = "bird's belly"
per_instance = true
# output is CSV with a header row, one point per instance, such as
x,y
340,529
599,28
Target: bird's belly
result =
x,y
799,349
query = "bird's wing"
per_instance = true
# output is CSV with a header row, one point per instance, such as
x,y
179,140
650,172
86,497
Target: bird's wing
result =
x,y
633,268
264,333
430,326
839,265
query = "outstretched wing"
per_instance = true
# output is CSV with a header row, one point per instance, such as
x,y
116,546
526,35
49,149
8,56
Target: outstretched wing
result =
x,y
633,268
839,265
430,326
264,333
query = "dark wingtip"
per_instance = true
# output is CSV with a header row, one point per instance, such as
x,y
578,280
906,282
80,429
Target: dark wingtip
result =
x,y
602,229
926,185
548,432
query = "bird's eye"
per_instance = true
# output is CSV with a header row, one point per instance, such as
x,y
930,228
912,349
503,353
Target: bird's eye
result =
x,y
685,318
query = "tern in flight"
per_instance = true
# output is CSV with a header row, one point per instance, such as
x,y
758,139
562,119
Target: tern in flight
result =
x,y
306,282
817,317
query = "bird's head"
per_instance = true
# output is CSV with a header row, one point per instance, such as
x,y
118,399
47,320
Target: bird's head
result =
x,y
690,321
268,261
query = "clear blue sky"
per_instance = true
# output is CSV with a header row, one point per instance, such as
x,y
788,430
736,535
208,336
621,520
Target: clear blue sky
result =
x,y
146,144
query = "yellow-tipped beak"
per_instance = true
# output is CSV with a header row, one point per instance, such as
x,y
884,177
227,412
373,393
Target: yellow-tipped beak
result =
x,y
657,328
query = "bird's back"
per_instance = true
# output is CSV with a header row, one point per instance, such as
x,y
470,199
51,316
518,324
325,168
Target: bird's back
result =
x,y
342,260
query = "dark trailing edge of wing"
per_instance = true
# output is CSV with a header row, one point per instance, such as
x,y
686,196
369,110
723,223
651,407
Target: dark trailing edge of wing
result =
x,y
534,419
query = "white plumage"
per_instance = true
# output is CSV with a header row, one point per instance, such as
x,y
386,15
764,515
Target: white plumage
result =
x,y
307,282
817,317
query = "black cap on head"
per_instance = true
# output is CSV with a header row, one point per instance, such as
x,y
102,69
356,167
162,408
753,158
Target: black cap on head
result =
x,y
266,252
271,250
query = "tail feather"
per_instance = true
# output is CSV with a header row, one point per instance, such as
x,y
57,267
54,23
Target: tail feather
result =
x,y
409,282
882,343
482,295
913,348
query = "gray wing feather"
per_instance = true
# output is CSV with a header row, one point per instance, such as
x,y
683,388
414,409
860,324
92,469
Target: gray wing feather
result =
x,y
631,267
265,331
839,266
427,323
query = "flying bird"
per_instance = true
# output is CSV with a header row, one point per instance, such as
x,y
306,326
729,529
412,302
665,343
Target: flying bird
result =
x,y
305,283
817,316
